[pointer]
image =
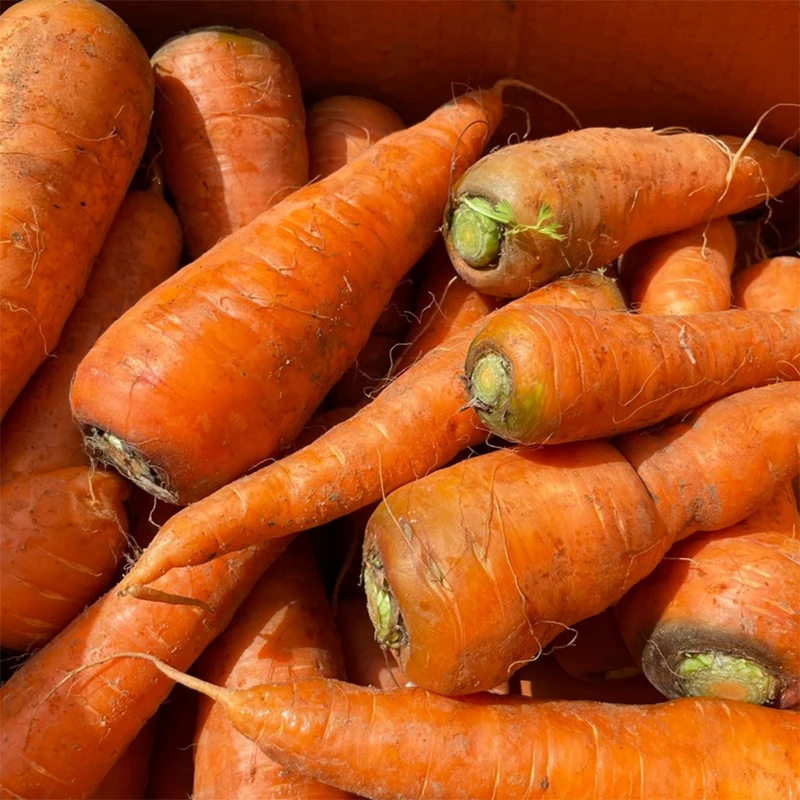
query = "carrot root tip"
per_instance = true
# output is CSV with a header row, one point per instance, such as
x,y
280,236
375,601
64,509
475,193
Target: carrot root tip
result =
x,y
129,462
475,233
715,674
382,607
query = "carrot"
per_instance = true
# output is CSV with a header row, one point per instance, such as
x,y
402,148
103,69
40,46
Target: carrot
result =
x,y
445,304
63,524
413,743
282,632
171,774
230,119
688,272
594,650
418,423
76,94
127,779
341,128
471,570
719,616
542,375
226,362
530,212
769,285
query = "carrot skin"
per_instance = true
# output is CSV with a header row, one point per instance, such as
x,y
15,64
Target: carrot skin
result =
x,y
732,593
341,128
770,285
230,120
688,272
607,189
63,524
540,375
127,779
68,156
224,363
424,406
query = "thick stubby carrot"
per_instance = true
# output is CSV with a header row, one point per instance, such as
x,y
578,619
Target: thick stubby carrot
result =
x,y
76,95
541,375
63,524
594,650
230,120
417,424
471,570
445,304
688,272
413,743
284,631
64,746
341,128
769,285
719,615
538,209
127,779
221,366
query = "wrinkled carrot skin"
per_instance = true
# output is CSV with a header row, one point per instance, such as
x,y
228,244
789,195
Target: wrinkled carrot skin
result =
x,y
603,204
688,272
67,157
733,592
490,559
282,632
127,779
579,375
418,423
230,120
171,774
770,285
341,128
513,748
63,523
594,650
64,746
262,338
445,304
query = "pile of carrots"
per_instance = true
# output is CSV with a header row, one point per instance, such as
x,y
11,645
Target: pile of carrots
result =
x,y
348,457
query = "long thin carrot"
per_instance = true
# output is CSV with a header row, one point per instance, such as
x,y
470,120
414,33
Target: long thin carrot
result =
x,y
229,117
76,95
341,128
530,212
213,372
418,423
284,631
719,616
62,523
688,272
544,376
770,285
471,570
413,743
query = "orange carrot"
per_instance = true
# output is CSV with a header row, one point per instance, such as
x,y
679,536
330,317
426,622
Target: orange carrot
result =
x,y
719,615
769,285
541,375
471,570
230,119
688,272
284,631
63,523
225,363
413,743
445,304
76,94
418,423
341,128
530,212
127,779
